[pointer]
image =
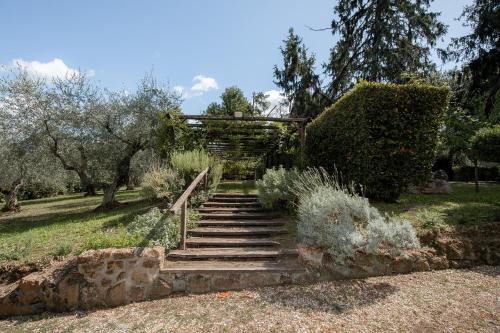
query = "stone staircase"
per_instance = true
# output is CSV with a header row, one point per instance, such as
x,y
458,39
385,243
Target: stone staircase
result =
x,y
235,235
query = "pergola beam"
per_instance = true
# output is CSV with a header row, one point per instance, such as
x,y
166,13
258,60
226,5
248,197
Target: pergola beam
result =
x,y
229,118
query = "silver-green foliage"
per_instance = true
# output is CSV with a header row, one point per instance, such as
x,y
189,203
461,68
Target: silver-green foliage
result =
x,y
274,187
156,228
341,222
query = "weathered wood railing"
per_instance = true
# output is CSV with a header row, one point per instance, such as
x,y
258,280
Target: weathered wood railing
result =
x,y
181,203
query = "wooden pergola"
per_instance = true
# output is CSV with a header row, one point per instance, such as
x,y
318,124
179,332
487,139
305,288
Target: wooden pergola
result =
x,y
249,137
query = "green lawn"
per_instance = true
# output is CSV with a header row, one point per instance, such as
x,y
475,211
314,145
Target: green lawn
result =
x,y
237,186
66,224
462,207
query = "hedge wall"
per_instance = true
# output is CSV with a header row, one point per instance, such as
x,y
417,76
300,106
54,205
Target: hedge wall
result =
x,y
382,136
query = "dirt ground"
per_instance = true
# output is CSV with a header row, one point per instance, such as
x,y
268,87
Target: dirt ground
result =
x,y
444,301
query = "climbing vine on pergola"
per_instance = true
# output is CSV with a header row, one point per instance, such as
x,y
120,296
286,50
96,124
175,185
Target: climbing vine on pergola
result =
x,y
246,138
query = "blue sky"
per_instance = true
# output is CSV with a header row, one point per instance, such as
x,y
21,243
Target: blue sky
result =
x,y
199,47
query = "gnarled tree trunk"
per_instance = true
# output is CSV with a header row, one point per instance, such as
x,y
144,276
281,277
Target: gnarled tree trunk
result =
x,y
122,174
11,204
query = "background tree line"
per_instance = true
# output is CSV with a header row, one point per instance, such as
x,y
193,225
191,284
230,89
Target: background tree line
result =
x,y
391,41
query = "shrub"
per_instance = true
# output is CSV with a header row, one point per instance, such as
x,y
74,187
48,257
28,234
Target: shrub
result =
x,y
274,187
485,144
189,164
160,182
156,228
382,136
342,223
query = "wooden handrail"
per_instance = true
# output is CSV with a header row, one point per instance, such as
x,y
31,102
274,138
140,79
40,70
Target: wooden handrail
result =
x,y
181,203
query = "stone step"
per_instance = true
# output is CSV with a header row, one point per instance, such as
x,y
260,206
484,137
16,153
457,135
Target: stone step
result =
x,y
230,254
230,204
229,242
241,223
236,231
234,195
204,267
230,209
234,199
238,216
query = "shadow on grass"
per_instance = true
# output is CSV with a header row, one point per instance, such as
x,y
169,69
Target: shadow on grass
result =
x,y
334,297
20,224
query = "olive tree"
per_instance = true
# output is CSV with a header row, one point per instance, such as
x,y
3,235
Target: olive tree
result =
x,y
68,126
23,155
124,125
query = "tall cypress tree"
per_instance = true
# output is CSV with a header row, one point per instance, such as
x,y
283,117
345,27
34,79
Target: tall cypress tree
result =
x,y
380,40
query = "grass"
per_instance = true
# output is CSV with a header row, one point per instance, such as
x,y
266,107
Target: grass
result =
x,y
65,225
463,207
237,186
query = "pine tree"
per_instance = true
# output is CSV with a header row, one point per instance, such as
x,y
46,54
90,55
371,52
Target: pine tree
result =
x,y
481,51
380,40
297,77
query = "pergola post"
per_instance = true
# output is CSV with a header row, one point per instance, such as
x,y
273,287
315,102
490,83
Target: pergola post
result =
x,y
302,137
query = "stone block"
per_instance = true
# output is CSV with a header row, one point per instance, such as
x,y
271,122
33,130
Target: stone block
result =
x,y
91,268
402,265
136,294
179,284
115,264
140,277
438,262
422,265
105,282
122,254
198,283
227,281
117,294
68,292
121,276
160,289
151,263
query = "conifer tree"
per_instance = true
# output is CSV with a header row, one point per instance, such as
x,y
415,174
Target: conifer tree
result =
x,y
381,39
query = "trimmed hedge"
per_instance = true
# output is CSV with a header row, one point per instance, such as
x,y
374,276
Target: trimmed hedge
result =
x,y
381,136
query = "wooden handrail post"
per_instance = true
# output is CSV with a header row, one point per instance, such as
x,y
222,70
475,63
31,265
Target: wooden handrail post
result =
x,y
183,225
206,182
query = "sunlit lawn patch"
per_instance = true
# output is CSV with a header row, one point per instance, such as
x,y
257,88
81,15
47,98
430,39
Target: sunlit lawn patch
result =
x,y
462,207
67,225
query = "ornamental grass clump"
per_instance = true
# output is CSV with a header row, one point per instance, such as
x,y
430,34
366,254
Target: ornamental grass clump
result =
x,y
161,182
188,164
335,218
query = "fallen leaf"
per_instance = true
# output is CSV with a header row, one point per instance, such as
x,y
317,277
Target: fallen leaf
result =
x,y
223,294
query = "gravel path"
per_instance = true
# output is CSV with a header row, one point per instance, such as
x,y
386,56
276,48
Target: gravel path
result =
x,y
445,301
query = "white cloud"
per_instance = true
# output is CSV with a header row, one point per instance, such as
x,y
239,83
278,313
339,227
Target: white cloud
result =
x,y
201,85
52,69
275,98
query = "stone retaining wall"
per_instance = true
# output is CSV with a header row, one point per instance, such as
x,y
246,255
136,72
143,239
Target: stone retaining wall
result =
x,y
112,277
100,278
120,276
